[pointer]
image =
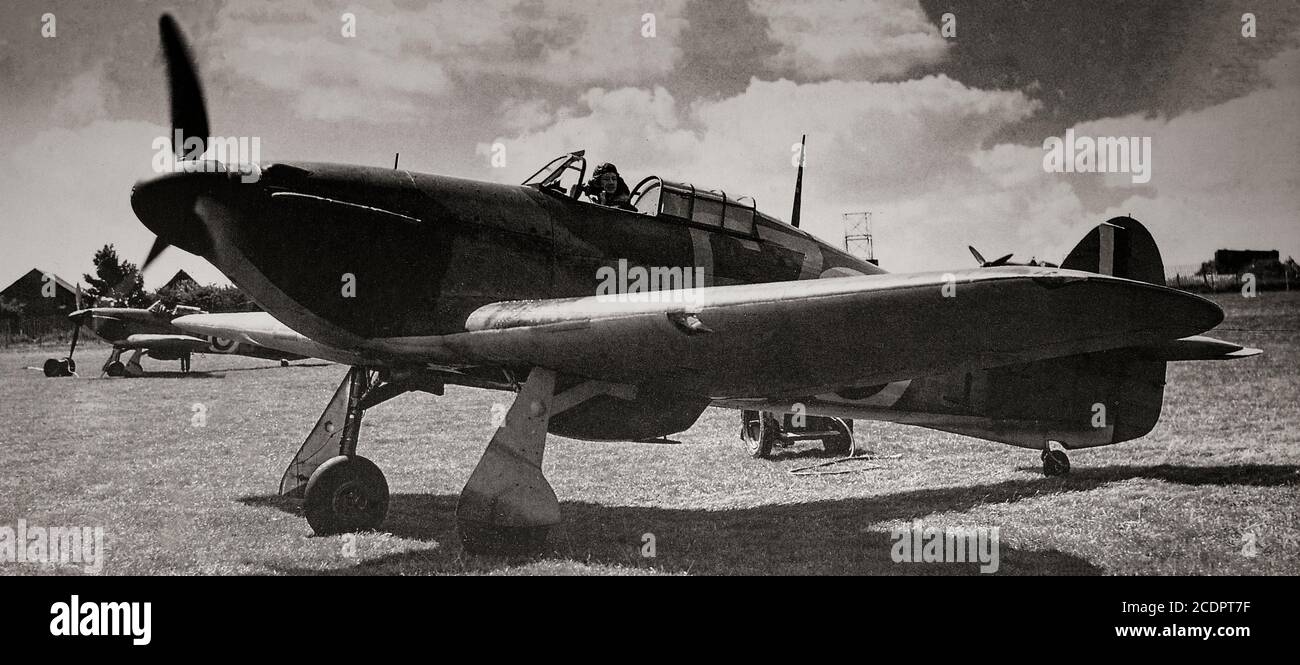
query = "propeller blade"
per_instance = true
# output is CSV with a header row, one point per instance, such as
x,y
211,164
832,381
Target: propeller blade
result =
x,y
189,113
76,331
999,261
979,258
158,246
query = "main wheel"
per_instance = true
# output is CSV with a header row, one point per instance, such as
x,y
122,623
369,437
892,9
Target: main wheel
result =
x,y
345,494
1055,463
842,442
758,430
115,368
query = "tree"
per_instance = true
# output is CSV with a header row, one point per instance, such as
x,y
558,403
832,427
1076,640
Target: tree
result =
x,y
11,308
209,298
115,281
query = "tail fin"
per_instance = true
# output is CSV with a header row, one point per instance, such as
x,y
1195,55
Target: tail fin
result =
x,y
1121,247
1094,399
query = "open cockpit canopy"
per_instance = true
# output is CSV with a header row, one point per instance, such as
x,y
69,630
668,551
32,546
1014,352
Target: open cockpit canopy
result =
x,y
564,174
654,196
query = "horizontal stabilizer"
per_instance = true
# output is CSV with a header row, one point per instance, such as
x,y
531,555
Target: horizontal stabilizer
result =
x,y
1197,347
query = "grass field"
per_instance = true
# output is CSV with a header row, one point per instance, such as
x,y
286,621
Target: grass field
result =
x,y
1222,468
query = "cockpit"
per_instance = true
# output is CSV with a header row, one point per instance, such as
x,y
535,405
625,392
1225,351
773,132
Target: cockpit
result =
x,y
159,309
563,175
711,208
656,197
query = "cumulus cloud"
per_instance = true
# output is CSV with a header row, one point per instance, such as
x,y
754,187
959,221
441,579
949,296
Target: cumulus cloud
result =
x,y
857,40
404,58
1225,176
885,147
916,154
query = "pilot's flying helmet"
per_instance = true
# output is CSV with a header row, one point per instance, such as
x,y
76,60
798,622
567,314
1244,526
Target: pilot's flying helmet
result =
x,y
603,169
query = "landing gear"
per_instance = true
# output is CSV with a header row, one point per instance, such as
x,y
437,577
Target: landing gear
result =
x,y
284,363
133,367
346,494
507,507
113,366
341,491
1055,461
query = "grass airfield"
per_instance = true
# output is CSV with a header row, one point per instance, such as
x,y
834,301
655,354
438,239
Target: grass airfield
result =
x,y
1213,490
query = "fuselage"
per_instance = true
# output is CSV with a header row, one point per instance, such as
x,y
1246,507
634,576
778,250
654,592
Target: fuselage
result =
x,y
115,324
346,254
362,259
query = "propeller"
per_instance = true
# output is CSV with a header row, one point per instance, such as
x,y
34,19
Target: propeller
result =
x,y
189,115
78,319
1001,261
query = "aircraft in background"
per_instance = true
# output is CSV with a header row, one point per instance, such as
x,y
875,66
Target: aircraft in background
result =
x,y
505,287
1006,260
150,331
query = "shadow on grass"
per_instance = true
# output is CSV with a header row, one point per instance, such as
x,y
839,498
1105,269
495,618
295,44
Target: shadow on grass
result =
x,y
1258,475
218,373
833,537
260,368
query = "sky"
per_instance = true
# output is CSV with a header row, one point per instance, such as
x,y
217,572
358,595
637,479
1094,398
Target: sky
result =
x,y
931,115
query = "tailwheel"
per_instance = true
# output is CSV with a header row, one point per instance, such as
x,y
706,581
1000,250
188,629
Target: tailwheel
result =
x,y
842,442
1055,462
346,494
759,431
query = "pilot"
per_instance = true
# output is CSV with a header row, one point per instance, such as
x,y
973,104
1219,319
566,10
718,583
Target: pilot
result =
x,y
607,188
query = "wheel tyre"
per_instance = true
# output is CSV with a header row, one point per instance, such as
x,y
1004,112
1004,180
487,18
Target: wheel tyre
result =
x,y
52,368
841,443
758,429
1055,463
345,494
115,368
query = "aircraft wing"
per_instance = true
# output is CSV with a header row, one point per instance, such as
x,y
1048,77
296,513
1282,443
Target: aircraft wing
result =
x,y
772,339
259,329
164,343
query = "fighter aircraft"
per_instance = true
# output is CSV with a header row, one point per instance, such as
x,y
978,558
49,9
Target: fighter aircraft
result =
x,y
531,289
150,331
1006,260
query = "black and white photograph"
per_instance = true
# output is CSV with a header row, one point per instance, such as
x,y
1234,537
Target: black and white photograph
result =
x,y
650,287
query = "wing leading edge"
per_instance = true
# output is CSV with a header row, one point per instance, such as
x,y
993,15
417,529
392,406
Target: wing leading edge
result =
x,y
773,339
